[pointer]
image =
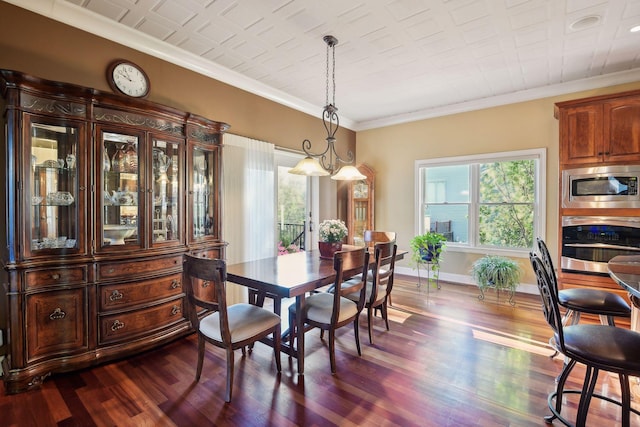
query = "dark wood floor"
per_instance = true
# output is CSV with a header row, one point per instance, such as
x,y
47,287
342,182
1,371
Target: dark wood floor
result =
x,y
448,360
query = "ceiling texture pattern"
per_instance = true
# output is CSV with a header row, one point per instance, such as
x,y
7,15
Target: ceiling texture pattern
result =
x,y
396,60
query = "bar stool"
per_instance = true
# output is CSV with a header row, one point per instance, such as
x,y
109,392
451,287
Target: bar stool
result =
x,y
598,347
606,305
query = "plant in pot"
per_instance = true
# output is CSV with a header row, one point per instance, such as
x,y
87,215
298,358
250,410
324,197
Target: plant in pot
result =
x,y
426,248
331,233
494,271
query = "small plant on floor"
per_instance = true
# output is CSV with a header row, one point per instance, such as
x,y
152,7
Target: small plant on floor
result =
x,y
494,271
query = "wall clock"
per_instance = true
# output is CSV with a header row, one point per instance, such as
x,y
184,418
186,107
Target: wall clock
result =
x,y
127,78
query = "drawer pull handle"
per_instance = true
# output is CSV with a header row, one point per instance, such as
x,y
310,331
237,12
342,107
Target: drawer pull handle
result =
x,y
205,283
55,276
116,295
175,310
111,270
117,325
175,283
57,314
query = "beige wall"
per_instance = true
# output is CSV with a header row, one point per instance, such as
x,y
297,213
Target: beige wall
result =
x,y
392,151
48,49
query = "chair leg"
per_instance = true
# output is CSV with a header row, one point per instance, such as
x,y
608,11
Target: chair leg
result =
x,y
277,341
201,344
626,399
385,314
356,332
590,379
562,379
369,323
332,350
230,363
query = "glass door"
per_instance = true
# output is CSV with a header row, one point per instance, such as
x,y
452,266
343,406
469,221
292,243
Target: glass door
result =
x,y
202,198
120,218
165,215
53,188
297,208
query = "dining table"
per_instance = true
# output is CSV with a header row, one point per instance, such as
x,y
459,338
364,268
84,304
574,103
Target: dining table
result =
x,y
625,271
288,276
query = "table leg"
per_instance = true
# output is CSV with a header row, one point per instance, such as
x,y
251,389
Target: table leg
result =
x,y
300,333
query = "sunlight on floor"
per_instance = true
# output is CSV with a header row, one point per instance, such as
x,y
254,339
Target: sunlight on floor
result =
x,y
518,343
485,334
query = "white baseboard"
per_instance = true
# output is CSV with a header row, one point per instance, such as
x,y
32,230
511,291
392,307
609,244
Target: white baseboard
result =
x,y
526,288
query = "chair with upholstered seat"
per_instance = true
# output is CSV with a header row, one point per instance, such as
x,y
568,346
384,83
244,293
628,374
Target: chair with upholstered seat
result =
x,y
379,284
371,237
330,311
607,305
228,327
598,347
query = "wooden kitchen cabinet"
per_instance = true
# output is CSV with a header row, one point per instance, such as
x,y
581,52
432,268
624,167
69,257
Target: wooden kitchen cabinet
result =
x,y
596,130
360,206
102,203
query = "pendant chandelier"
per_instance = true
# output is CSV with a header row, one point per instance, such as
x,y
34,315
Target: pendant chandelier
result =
x,y
328,161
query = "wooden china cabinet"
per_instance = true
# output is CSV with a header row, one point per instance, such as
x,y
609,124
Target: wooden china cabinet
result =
x,y
104,195
360,205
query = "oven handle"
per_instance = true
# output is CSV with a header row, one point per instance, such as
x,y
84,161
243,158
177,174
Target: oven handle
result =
x,y
601,246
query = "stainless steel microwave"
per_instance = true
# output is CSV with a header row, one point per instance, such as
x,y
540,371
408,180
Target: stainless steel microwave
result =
x,y
601,187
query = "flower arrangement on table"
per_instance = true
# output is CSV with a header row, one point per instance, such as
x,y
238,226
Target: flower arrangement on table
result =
x,y
332,230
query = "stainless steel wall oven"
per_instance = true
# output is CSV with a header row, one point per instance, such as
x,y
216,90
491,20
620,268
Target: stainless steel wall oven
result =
x,y
589,242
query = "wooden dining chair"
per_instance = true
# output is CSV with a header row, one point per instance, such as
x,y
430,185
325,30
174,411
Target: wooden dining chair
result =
x,y
371,237
598,347
330,311
228,327
379,284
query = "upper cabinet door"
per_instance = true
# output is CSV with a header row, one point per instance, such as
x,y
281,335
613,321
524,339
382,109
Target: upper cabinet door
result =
x,y
120,190
54,186
165,185
581,135
203,198
622,130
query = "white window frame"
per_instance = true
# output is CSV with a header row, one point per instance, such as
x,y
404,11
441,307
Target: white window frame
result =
x,y
539,214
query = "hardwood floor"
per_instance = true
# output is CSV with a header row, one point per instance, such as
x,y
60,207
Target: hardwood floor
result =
x,y
448,360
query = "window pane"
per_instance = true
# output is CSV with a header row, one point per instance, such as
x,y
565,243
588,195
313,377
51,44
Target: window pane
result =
x,y
448,184
449,219
506,225
507,182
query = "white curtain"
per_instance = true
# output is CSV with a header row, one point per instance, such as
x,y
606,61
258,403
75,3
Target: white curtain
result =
x,y
248,203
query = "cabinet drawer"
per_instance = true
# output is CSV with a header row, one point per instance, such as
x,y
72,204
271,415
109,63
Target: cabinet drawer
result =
x,y
136,268
129,325
124,295
57,323
56,276
207,253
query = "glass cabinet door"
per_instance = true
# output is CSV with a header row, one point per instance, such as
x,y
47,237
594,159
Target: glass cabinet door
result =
x,y
53,187
120,215
202,194
165,214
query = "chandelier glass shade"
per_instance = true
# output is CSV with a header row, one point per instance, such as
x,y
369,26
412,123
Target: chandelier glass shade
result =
x,y
328,162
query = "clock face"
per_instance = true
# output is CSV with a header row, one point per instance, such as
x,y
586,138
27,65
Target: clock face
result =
x,y
128,79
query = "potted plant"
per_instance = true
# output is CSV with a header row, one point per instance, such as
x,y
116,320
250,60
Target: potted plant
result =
x,y
426,248
331,233
494,271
